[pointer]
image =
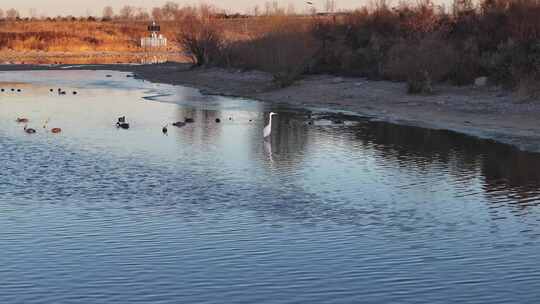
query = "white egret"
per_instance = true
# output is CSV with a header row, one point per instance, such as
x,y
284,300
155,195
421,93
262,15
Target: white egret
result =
x,y
268,129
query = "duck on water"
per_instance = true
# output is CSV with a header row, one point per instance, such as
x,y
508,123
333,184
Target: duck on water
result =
x,y
53,130
121,123
29,130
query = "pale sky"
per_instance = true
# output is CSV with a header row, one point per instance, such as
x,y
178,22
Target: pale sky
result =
x,y
95,7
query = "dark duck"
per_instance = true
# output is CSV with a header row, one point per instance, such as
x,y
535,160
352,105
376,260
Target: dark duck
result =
x,y
121,123
29,130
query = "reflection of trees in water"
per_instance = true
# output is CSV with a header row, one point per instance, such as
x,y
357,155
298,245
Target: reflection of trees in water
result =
x,y
507,172
196,135
290,137
508,175
512,173
413,146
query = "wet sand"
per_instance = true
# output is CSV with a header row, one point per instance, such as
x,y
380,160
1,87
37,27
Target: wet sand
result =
x,y
488,112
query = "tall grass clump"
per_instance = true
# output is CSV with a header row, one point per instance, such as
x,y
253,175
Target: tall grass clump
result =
x,y
278,44
286,50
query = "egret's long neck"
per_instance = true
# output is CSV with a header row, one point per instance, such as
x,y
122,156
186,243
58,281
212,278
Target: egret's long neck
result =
x,y
270,123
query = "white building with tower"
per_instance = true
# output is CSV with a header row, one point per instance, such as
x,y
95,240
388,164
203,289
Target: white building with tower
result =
x,y
156,40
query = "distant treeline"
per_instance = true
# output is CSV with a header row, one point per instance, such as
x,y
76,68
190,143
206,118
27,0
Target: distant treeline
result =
x,y
170,11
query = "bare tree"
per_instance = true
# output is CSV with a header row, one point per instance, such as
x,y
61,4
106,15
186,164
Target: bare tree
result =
x,y
127,12
267,8
291,10
206,10
201,39
275,8
330,6
1,14
12,14
169,10
378,5
185,12
157,15
460,6
256,11
32,13
108,13
141,14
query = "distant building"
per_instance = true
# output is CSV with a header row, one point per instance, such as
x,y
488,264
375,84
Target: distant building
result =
x,y
156,40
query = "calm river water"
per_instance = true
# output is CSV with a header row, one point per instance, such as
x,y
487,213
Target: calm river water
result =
x,y
360,212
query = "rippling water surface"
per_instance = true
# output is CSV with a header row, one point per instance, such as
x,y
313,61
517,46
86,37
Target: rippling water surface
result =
x,y
360,212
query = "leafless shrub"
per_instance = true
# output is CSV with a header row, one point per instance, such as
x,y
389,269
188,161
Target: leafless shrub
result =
x,y
528,88
420,63
201,40
285,51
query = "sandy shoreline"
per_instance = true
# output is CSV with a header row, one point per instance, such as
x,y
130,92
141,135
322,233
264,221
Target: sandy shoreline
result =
x,y
487,113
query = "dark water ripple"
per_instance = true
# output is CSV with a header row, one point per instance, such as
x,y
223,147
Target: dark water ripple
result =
x,y
360,213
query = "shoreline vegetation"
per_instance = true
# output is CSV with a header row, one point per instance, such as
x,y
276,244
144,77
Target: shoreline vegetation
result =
x,y
473,68
494,42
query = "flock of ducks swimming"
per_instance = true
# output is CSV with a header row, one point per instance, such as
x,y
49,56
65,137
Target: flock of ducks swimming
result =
x,y
177,124
25,121
62,92
121,122
12,90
